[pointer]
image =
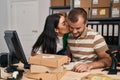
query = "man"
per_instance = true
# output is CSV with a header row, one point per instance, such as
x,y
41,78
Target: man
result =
x,y
86,46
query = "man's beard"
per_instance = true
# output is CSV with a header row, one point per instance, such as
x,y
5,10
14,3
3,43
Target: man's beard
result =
x,y
77,35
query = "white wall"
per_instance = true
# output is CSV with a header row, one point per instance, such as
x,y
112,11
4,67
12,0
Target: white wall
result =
x,y
3,24
44,11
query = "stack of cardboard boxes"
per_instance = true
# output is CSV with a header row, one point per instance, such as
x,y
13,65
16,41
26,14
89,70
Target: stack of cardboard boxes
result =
x,y
96,8
47,67
101,8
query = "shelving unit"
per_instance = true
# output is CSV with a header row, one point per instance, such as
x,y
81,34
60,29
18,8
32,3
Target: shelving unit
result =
x,y
109,28
111,39
106,10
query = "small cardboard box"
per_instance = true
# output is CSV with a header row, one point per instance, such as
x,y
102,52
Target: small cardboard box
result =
x,y
85,3
115,3
67,3
46,76
100,13
50,60
56,3
87,10
100,3
94,3
41,69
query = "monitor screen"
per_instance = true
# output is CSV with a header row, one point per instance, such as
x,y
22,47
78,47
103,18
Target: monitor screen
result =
x,y
15,48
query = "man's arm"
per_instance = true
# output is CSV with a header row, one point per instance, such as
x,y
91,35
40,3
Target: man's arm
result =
x,y
104,60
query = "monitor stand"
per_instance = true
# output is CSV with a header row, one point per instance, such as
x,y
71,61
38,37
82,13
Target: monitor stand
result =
x,y
11,68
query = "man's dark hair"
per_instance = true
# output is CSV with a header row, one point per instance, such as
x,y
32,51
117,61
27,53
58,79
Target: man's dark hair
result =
x,y
75,12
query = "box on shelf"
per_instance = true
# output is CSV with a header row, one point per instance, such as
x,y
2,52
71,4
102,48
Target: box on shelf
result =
x,y
50,60
58,3
41,69
46,76
87,10
85,3
94,3
100,3
100,13
67,3
115,12
116,3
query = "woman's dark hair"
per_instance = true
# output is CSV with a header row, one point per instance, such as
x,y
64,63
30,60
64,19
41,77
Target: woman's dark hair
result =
x,y
75,12
47,39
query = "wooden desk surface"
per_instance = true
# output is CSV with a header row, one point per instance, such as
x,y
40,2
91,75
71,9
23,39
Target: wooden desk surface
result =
x,y
70,75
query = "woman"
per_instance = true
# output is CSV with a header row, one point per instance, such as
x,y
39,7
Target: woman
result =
x,y
51,40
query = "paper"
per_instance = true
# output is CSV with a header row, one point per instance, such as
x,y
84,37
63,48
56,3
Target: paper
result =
x,y
71,65
48,56
95,1
94,12
102,11
76,3
116,1
115,12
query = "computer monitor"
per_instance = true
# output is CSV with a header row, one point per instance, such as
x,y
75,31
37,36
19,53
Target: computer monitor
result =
x,y
15,48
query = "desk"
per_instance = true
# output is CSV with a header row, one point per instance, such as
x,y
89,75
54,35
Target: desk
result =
x,y
70,75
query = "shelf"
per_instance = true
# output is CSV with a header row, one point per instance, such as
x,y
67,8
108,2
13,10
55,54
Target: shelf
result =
x,y
104,19
60,7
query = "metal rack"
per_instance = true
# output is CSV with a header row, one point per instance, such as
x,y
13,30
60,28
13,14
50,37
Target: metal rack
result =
x,y
111,35
100,21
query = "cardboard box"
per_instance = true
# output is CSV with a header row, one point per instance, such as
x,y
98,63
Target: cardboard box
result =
x,y
100,3
115,3
45,76
87,10
85,3
50,60
94,3
56,3
67,3
100,13
115,12
41,69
